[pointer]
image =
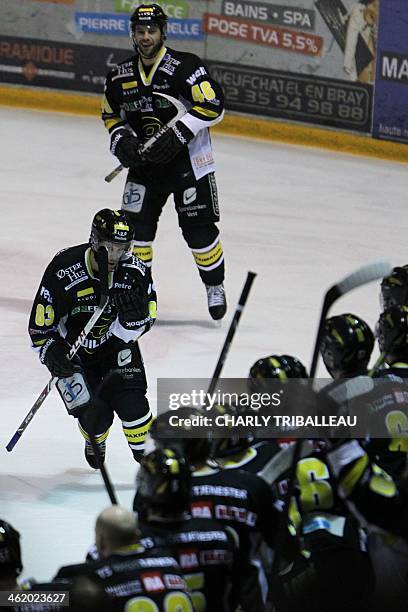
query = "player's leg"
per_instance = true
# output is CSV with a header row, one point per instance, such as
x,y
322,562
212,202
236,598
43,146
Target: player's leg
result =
x,y
126,393
143,202
81,398
197,207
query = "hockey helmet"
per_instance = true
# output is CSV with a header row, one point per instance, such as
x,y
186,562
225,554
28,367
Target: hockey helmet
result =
x,y
194,449
346,345
10,552
394,288
163,482
392,331
147,15
279,367
112,229
237,439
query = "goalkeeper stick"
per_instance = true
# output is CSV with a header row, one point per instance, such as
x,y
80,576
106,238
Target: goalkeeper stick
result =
x,y
181,110
103,275
360,277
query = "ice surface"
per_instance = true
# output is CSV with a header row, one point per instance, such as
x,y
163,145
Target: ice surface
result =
x,y
300,218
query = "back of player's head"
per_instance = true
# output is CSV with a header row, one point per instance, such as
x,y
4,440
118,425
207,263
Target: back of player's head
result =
x,y
10,551
115,527
392,332
280,367
195,449
346,345
394,288
163,483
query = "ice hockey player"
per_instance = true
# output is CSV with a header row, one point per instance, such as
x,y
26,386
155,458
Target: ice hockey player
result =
x,y
346,346
10,557
319,578
108,368
133,577
394,288
236,498
180,162
206,549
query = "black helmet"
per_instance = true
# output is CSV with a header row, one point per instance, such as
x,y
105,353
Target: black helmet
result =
x,y
146,15
346,345
237,439
163,482
392,331
281,367
194,449
394,288
112,228
10,552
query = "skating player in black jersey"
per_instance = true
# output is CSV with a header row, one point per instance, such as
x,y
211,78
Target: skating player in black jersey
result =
x,y
180,162
109,361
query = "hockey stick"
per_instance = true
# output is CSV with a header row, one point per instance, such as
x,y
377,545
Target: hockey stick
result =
x,y
103,270
231,332
181,110
360,277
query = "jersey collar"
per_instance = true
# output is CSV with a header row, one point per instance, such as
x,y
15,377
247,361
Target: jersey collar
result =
x,y
147,80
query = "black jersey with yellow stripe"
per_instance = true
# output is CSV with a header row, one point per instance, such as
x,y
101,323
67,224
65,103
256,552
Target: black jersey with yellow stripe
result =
x,y
69,293
130,86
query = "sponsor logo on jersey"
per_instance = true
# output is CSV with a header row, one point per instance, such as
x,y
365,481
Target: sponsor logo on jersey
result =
x,y
169,64
153,582
173,581
213,557
196,75
188,558
233,513
46,294
123,70
201,509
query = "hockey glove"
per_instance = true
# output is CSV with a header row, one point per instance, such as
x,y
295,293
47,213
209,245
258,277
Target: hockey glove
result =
x,y
127,149
132,304
171,141
54,354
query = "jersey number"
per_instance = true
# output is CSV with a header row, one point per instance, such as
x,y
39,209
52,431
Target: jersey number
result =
x,y
44,315
202,92
397,425
173,602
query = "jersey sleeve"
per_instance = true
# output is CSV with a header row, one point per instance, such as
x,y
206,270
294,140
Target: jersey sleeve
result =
x,y
203,93
379,498
46,311
110,105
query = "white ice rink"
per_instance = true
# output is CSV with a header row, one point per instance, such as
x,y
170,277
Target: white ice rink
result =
x,y
300,218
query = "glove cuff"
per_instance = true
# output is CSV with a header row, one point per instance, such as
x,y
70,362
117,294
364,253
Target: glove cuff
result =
x,y
182,132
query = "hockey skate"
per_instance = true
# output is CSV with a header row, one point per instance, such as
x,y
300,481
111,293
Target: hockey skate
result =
x,y
217,303
90,455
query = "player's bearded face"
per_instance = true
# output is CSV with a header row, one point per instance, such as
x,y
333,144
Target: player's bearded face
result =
x,y
149,40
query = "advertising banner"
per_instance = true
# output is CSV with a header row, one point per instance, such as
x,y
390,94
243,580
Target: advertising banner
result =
x,y
391,86
294,96
317,57
58,65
